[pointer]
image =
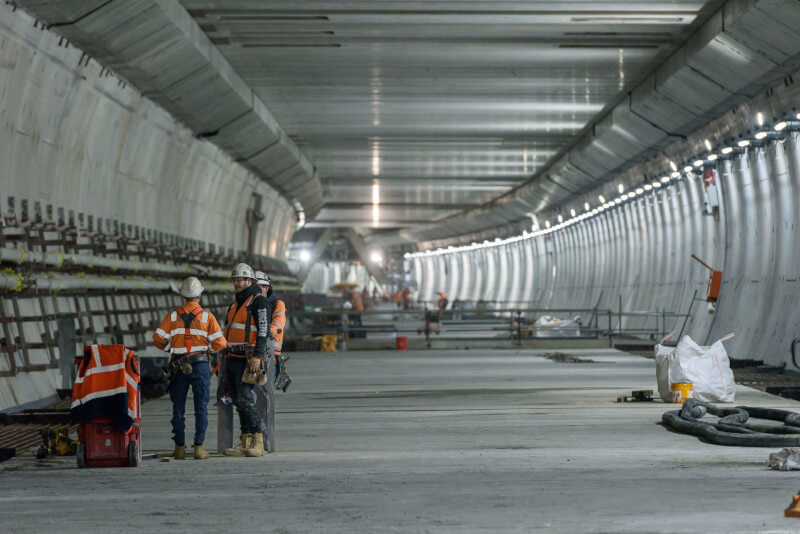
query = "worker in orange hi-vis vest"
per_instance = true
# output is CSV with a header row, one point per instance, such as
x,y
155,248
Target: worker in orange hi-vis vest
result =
x,y
189,334
247,331
277,326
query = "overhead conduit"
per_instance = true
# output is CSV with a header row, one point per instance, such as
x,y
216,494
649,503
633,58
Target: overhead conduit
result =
x,y
161,50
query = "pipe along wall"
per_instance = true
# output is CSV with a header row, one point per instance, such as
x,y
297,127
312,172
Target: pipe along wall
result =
x,y
641,251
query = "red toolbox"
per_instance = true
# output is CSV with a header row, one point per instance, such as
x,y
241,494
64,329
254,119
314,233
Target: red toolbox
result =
x,y
102,444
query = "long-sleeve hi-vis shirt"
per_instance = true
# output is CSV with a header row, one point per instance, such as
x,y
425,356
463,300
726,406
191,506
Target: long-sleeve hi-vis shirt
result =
x,y
278,324
204,333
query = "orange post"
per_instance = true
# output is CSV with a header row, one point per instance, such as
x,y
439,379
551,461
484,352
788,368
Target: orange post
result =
x,y
794,509
714,281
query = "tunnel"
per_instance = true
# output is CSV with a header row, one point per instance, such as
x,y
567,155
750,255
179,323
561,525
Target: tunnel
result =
x,y
497,228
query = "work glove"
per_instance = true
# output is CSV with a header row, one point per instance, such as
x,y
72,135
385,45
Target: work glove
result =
x,y
254,364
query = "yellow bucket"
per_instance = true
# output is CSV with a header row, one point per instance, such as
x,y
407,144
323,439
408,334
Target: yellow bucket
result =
x,y
681,391
328,343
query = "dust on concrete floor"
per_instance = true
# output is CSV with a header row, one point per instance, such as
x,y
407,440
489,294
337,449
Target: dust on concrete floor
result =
x,y
431,441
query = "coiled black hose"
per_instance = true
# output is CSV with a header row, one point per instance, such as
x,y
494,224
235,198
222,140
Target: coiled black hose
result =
x,y
732,428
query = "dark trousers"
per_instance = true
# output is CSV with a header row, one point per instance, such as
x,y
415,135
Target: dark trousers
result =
x,y
243,395
178,391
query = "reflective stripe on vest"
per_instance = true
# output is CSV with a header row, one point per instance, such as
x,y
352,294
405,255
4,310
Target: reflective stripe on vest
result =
x,y
236,324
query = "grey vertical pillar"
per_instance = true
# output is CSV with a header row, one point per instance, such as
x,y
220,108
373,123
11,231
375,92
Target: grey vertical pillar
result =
x,y
66,349
224,426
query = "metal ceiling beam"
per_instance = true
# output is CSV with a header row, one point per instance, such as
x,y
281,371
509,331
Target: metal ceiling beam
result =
x,y
741,49
315,252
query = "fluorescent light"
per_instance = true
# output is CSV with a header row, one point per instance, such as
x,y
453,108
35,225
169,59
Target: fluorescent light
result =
x,y
675,174
602,199
761,135
744,143
572,212
376,257
560,218
727,150
656,184
708,144
698,163
688,168
760,118
712,157
781,126
376,213
376,161
376,193
648,187
665,179
639,190
305,256
586,206
547,224
621,188
596,211
673,166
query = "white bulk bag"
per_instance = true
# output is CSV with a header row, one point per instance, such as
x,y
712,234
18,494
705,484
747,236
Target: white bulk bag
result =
x,y
707,368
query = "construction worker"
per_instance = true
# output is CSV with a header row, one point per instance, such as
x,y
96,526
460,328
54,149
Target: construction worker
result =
x,y
406,298
442,304
358,306
365,297
246,329
277,318
189,334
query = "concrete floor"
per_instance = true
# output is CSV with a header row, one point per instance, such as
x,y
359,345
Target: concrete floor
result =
x,y
430,441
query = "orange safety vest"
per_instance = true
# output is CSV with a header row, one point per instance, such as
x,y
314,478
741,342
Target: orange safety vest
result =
x,y
241,326
190,330
278,324
107,385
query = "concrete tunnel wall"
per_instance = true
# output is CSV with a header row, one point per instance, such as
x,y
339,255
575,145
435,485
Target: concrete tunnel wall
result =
x,y
77,137
640,251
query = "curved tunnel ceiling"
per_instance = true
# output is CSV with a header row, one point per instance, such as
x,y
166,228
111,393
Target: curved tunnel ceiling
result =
x,y
437,119
443,106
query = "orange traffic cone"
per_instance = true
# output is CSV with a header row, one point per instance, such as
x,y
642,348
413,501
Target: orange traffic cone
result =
x,y
794,508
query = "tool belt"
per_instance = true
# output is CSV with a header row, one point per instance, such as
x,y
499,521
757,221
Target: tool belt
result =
x,y
183,364
239,351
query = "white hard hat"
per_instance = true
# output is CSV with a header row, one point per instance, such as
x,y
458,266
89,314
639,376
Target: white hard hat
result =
x,y
191,288
262,279
243,270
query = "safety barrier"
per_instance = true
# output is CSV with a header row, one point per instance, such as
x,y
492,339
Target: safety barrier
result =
x,y
511,325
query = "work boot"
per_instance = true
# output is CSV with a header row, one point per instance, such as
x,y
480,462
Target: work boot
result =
x,y
200,452
239,449
180,452
256,445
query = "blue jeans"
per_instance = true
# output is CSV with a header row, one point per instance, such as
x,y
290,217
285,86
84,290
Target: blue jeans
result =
x,y
199,380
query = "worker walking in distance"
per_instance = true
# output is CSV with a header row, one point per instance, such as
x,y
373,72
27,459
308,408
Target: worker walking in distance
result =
x,y
247,330
189,334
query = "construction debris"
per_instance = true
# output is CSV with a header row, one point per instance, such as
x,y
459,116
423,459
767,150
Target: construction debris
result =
x,y
561,357
639,395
